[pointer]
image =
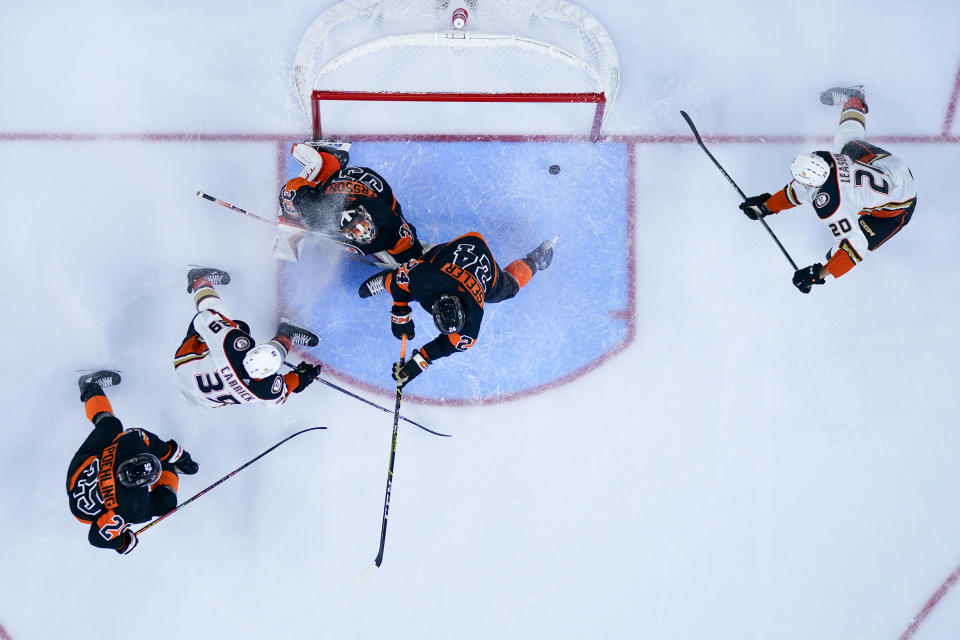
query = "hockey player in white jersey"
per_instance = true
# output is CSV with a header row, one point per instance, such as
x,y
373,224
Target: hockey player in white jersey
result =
x,y
862,193
218,363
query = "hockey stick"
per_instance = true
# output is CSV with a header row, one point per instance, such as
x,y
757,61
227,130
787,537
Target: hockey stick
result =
x,y
373,404
726,175
223,479
324,237
393,456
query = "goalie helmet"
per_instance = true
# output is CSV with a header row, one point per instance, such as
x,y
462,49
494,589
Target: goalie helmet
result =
x,y
356,224
141,470
810,169
448,314
262,361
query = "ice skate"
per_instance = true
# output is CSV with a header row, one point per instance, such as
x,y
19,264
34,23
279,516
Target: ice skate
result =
x,y
104,378
541,257
373,285
211,274
298,335
840,95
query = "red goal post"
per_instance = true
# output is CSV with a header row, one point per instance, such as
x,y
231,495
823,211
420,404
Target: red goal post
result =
x,y
318,96
528,55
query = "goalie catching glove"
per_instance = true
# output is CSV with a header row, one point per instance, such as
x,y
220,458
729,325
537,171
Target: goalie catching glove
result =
x,y
755,207
404,372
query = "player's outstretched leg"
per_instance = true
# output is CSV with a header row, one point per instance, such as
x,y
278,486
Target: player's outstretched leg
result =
x,y
853,114
212,275
374,284
297,334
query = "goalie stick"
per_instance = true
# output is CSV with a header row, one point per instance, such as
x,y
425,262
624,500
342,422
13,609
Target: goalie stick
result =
x,y
726,175
224,479
324,237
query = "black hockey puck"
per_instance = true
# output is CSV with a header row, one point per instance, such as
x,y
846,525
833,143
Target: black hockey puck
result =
x,y
554,169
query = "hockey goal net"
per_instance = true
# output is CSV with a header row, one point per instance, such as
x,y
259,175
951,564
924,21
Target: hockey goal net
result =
x,y
515,67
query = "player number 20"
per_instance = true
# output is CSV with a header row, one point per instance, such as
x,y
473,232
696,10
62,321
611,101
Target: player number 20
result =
x,y
840,227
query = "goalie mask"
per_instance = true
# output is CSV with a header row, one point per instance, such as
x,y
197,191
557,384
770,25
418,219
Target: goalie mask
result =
x,y
356,224
263,361
448,314
139,471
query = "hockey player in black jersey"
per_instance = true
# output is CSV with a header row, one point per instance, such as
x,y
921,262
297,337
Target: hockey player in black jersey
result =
x,y
219,364
453,282
120,477
353,204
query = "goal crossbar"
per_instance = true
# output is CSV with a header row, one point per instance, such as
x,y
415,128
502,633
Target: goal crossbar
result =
x,y
319,95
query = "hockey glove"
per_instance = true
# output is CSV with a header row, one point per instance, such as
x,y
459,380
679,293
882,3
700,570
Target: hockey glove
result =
x,y
400,321
185,464
755,207
128,540
404,372
805,278
306,373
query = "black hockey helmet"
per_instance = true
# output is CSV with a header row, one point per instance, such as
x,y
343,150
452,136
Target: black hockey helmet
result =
x,y
448,314
356,224
141,470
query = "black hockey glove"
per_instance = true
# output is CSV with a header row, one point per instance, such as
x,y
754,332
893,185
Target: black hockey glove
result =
x,y
185,464
755,208
306,373
400,321
404,372
805,278
128,540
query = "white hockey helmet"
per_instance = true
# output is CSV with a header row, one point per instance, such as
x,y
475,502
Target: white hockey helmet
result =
x,y
810,169
262,361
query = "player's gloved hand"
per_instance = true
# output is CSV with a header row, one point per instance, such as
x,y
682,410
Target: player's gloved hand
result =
x,y
128,540
754,207
805,278
400,321
185,464
306,373
404,372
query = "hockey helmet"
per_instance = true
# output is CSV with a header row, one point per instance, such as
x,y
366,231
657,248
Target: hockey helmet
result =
x,y
263,361
448,314
142,470
810,169
356,224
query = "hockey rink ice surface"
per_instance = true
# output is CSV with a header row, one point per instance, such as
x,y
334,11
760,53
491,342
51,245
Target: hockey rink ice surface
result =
x,y
753,463
504,191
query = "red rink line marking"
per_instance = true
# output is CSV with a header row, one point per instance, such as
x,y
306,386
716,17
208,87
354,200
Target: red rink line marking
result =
x,y
3,634
931,603
952,107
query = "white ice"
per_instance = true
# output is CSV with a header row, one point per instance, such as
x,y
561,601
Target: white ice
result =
x,y
757,464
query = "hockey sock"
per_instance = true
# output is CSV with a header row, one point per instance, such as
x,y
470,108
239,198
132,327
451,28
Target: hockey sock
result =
x,y
521,271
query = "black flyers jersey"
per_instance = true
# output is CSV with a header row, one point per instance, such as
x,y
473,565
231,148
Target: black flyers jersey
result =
x,y
96,495
320,205
464,267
